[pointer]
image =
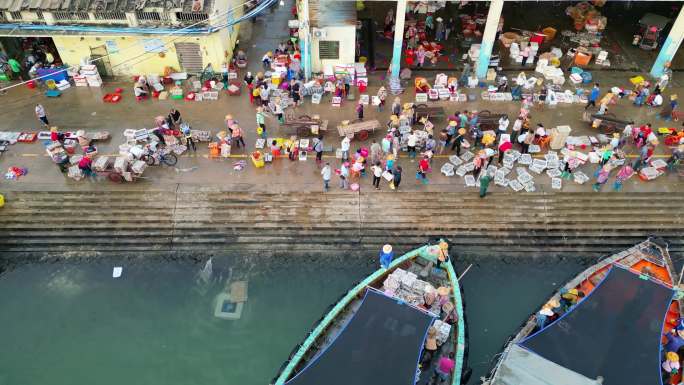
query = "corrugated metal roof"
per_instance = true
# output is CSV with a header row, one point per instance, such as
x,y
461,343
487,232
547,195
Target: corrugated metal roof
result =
x,y
327,13
16,6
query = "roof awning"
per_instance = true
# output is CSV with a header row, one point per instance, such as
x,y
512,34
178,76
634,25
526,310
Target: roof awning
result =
x,y
613,333
381,344
524,367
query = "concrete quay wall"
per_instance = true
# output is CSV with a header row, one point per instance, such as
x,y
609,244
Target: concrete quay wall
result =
x,y
207,221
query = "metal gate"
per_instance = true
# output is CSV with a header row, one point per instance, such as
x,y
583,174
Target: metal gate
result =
x,y
101,60
189,57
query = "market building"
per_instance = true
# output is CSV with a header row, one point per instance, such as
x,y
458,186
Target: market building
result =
x,y
327,33
497,33
128,37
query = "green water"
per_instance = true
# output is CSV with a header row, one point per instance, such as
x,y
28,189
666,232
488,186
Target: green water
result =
x,y
71,323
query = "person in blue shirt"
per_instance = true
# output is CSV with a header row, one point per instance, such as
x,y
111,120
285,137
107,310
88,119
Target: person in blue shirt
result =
x,y
675,339
386,256
593,96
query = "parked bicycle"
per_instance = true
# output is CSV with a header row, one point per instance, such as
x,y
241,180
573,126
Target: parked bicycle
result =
x,y
159,158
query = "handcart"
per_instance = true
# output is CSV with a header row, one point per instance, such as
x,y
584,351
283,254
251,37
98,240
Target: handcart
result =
x,y
360,129
422,110
608,123
489,120
306,124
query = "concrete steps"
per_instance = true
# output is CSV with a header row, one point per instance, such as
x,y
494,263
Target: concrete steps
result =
x,y
334,224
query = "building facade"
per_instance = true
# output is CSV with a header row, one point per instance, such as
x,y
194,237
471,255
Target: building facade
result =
x,y
129,36
328,31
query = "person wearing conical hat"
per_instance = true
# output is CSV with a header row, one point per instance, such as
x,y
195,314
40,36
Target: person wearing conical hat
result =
x,y
396,106
386,256
671,366
571,298
266,60
430,348
676,157
429,299
230,122
449,314
546,315
386,144
443,253
458,141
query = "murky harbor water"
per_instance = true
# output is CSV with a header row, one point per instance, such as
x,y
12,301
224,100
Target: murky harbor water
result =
x,y
72,323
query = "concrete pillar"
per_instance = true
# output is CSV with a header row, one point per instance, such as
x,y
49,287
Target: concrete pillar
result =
x,y
49,18
172,17
493,16
670,47
398,38
305,40
132,19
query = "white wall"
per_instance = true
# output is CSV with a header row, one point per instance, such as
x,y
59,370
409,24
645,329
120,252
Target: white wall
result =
x,y
346,35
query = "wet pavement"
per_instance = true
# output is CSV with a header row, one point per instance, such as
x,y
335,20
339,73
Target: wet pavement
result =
x,y
83,108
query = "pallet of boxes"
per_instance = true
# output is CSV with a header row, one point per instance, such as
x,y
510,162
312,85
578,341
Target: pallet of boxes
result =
x,y
88,76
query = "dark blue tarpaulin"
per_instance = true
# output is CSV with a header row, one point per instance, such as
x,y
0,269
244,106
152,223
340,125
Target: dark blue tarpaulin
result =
x,y
379,346
614,333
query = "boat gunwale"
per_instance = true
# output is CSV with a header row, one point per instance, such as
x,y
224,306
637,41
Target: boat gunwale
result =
x,y
528,326
324,324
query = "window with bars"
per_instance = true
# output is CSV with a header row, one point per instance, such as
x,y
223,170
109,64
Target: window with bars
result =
x,y
61,15
110,15
329,49
39,15
191,16
16,15
148,16
3,17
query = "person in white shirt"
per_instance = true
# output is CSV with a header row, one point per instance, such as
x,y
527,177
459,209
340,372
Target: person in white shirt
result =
x,y
326,172
377,174
344,175
517,127
411,144
657,101
615,141
41,115
344,146
503,125
602,109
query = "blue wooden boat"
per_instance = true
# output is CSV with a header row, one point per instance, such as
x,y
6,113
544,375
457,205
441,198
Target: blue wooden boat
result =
x,y
376,333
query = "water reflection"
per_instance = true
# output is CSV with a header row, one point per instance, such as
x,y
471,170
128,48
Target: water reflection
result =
x,y
156,323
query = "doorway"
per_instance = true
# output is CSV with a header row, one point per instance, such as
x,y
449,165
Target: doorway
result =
x,y
190,57
100,57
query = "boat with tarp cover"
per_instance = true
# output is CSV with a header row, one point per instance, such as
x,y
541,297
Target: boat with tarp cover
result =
x,y
603,327
376,333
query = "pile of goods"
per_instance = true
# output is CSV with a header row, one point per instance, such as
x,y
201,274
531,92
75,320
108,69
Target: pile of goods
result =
x,y
13,173
406,286
585,16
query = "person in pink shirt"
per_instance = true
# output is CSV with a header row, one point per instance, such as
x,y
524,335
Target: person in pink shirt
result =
x,y
445,367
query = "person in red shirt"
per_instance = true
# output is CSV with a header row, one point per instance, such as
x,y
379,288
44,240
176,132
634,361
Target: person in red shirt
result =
x,y
445,367
85,165
505,146
423,167
56,136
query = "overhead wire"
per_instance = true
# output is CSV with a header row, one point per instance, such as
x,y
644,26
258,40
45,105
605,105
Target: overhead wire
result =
x,y
250,14
180,32
242,18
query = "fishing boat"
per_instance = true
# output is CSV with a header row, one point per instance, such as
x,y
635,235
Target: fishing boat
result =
x,y
603,327
376,333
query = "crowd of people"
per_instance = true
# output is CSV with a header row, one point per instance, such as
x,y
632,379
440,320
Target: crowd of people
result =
x,y
463,130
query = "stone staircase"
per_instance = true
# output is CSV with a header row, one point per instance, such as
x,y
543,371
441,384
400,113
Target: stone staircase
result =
x,y
46,223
